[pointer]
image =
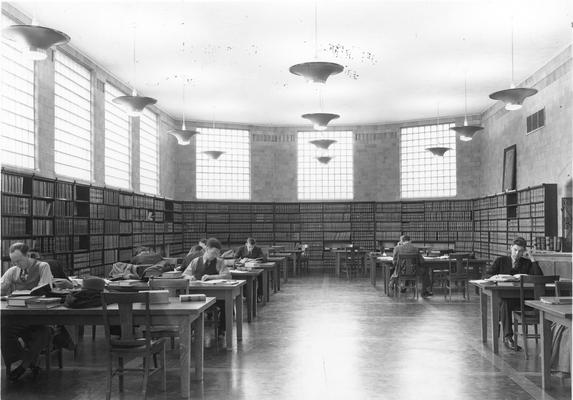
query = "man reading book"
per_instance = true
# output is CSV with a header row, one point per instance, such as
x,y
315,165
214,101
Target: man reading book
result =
x,y
207,267
26,274
518,262
252,251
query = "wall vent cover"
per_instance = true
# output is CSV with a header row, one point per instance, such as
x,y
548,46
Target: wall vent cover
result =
x,y
536,121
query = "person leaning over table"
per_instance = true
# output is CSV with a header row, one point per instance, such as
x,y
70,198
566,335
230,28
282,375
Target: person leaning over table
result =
x,y
251,250
209,267
26,274
520,261
405,247
194,252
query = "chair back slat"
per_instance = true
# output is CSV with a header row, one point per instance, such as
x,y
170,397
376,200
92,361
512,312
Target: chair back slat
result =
x,y
125,302
538,282
407,264
563,288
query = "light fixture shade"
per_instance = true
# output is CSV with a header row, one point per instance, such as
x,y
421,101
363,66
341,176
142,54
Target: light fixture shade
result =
x,y
323,143
513,97
183,135
316,71
438,151
467,131
36,39
320,120
324,159
214,154
134,105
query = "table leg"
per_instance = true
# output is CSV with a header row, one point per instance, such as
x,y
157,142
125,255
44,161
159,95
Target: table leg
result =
x,y
495,302
266,287
239,322
545,351
387,268
255,296
294,260
285,270
249,298
483,308
337,268
198,345
229,300
185,355
373,272
277,273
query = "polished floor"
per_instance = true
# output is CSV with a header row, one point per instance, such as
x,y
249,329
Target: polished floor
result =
x,y
326,338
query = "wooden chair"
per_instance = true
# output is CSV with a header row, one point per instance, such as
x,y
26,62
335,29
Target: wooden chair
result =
x,y
458,273
407,270
175,287
563,288
128,344
351,262
526,316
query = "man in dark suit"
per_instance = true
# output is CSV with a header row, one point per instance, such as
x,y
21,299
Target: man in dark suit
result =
x,y
520,261
405,247
251,251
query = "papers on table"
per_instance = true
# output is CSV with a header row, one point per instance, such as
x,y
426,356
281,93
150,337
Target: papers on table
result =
x,y
556,300
216,282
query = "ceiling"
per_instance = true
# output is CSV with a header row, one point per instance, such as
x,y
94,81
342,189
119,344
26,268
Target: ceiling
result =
x,y
404,60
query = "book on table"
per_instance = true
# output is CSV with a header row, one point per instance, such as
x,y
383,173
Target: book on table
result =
x,y
37,291
43,302
216,282
19,300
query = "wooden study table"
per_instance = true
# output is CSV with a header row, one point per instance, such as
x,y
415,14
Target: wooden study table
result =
x,y
291,255
175,313
559,313
232,294
281,258
429,262
271,267
251,278
497,294
340,252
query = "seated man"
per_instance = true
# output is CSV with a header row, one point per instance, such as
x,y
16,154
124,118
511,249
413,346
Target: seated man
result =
x,y
252,251
405,247
518,262
194,252
26,274
209,267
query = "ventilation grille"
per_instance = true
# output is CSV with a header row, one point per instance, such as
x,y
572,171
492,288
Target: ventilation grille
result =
x,y
536,121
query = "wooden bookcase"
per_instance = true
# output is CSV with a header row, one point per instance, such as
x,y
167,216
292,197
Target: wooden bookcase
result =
x,y
89,228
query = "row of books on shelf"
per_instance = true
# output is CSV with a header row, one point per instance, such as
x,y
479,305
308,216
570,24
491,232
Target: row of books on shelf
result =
x,y
14,184
15,205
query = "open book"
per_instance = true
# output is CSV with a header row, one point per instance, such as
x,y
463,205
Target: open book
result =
x,y
37,291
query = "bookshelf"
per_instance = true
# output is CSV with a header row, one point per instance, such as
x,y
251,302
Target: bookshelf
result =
x,y
530,213
87,227
90,227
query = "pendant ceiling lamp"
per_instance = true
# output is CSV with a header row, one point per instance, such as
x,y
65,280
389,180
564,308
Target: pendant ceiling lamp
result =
x,y
213,154
514,96
34,39
324,159
323,143
316,71
134,104
320,120
438,150
466,131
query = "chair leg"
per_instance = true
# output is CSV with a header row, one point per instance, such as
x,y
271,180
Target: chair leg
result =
x,y
109,376
60,359
146,362
120,373
172,343
525,334
164,372
93,333
536,334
